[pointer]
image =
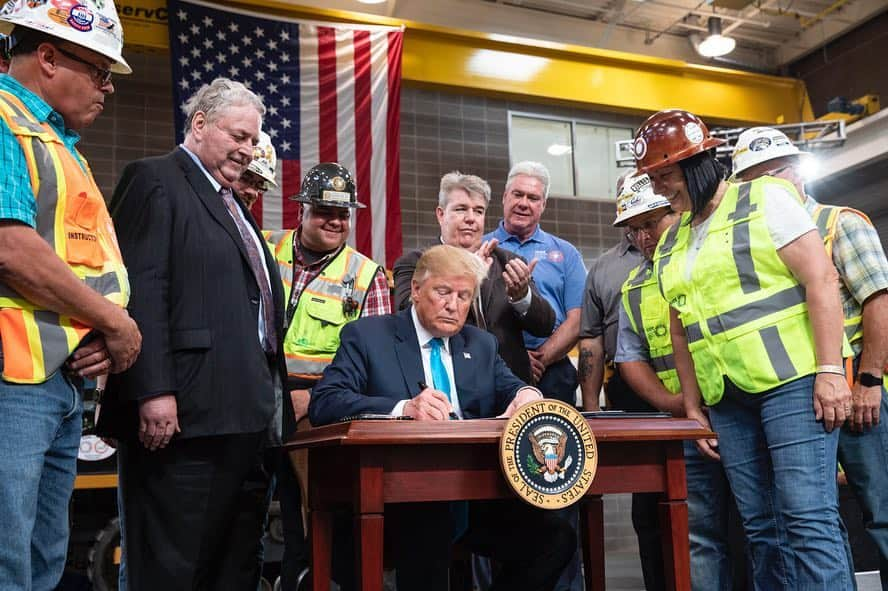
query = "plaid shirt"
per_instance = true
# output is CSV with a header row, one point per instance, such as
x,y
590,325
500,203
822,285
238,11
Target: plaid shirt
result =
x,y
860,260
17,200
376,303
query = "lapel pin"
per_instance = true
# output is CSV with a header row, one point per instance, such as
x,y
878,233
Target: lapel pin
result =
x,y
467,355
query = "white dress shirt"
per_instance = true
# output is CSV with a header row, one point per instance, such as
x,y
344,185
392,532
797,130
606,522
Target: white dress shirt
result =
x,y
424,338
256,240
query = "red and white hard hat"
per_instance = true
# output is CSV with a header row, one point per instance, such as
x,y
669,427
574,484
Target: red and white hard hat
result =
x,y
93,24
637,197
760,144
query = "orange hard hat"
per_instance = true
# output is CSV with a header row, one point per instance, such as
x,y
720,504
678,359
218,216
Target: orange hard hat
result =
x,y
668,137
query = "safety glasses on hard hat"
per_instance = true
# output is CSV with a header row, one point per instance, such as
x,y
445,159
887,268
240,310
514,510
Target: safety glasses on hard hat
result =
x,y
100,76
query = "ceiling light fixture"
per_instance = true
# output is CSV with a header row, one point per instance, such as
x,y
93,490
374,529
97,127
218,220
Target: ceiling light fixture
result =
x,y
371,1
716,44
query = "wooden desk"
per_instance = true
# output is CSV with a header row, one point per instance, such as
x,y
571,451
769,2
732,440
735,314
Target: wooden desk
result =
x,y
366,464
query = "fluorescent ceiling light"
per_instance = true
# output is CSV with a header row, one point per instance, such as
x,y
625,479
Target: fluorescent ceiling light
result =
x,y
558,150
371,1
716,44
505,65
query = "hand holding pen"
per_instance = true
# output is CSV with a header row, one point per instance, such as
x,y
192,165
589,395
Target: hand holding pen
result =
x,y
429,405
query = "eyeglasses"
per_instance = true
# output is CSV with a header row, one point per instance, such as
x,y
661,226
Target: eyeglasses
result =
x,y
100,76
648,227
775,173
256,182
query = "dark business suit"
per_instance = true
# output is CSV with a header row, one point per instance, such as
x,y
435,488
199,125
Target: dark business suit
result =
x,y
379,364
196,302
499,316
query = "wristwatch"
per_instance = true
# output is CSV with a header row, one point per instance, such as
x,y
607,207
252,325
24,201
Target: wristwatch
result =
x,y
868,380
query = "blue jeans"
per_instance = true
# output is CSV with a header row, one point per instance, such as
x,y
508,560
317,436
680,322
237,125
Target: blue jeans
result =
x,y
864,456
709,502
40,426
781,464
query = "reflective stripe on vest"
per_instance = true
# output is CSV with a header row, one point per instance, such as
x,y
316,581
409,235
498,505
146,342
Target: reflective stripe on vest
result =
x,y
648,314
826,217
316,316
73,220
743,310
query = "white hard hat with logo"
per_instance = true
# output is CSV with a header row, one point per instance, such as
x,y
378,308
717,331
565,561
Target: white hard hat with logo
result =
x,y
760,144
93,24
264,160
637,197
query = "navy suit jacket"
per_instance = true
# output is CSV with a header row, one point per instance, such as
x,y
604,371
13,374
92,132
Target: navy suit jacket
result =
x,y
379,364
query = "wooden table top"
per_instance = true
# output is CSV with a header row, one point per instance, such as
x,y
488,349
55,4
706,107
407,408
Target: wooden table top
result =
x,y
401,432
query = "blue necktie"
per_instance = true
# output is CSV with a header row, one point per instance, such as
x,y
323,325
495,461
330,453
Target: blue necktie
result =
x,y
440,381
459,510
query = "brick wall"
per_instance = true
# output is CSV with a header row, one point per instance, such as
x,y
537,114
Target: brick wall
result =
x,y
440,132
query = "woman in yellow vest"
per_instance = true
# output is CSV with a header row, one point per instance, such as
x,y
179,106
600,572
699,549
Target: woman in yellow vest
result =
x,y
756,326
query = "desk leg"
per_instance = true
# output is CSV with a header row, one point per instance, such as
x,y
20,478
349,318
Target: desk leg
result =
x,y
592,523
676,545
321,549
368,553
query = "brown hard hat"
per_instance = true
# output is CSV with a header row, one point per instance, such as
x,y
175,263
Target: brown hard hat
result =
x,y
668,137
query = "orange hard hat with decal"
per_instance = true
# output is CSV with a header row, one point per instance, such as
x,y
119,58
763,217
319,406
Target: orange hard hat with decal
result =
x,y
668,137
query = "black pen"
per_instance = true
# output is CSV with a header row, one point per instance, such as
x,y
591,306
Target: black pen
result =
x,y
422,386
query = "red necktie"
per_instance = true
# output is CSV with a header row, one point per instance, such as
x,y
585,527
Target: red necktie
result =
x,y
254,256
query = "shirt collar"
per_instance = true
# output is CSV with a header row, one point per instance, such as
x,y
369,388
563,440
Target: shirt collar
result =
x,y
40,109
504,235
424,336
626,245
216,184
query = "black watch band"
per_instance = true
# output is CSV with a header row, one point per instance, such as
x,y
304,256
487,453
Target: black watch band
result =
x,y
868,380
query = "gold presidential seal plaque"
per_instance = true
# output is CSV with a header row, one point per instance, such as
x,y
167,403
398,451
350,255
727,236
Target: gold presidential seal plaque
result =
x,y
548,454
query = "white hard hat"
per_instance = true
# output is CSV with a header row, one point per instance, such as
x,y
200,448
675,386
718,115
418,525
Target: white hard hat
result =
x,y
637,197
89,23
264,159
760,144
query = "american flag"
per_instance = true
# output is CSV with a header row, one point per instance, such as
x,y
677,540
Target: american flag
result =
x,y
332,94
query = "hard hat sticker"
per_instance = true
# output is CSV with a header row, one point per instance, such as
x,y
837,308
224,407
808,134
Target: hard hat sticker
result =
x,y
337,196
693,132
759,144
81,18
639,148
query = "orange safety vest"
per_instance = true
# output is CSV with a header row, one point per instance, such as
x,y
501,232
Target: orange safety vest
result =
x,y
73,219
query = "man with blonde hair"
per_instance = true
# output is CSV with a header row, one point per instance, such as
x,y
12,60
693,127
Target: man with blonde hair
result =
x,y
507,302
204,398
426,363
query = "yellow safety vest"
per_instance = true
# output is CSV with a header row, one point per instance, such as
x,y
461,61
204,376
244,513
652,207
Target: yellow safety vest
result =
x,y
73,219
648,314
744,313
826,217
317,314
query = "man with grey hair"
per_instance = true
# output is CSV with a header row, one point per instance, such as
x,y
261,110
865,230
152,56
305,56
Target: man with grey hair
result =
x,y
196,410
507,302
560,276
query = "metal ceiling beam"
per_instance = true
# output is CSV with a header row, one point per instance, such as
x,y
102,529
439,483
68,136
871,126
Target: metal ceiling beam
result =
x,y
828,29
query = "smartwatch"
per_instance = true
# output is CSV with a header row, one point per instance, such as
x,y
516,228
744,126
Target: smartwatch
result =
x,y
868,380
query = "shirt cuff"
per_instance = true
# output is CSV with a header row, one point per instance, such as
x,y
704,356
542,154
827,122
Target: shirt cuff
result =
x,y
523,305
398,411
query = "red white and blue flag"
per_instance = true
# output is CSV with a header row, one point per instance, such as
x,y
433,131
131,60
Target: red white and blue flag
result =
x,y
332,94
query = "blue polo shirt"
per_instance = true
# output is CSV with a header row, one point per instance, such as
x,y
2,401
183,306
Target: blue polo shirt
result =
x,y
17,200
560,274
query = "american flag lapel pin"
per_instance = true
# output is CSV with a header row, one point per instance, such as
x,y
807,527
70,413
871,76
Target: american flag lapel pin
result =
x,y
467,355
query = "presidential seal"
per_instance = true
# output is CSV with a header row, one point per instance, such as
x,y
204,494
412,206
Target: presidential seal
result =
x,y
548,454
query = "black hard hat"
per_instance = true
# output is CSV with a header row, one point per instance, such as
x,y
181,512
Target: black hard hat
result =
x,y
329,184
